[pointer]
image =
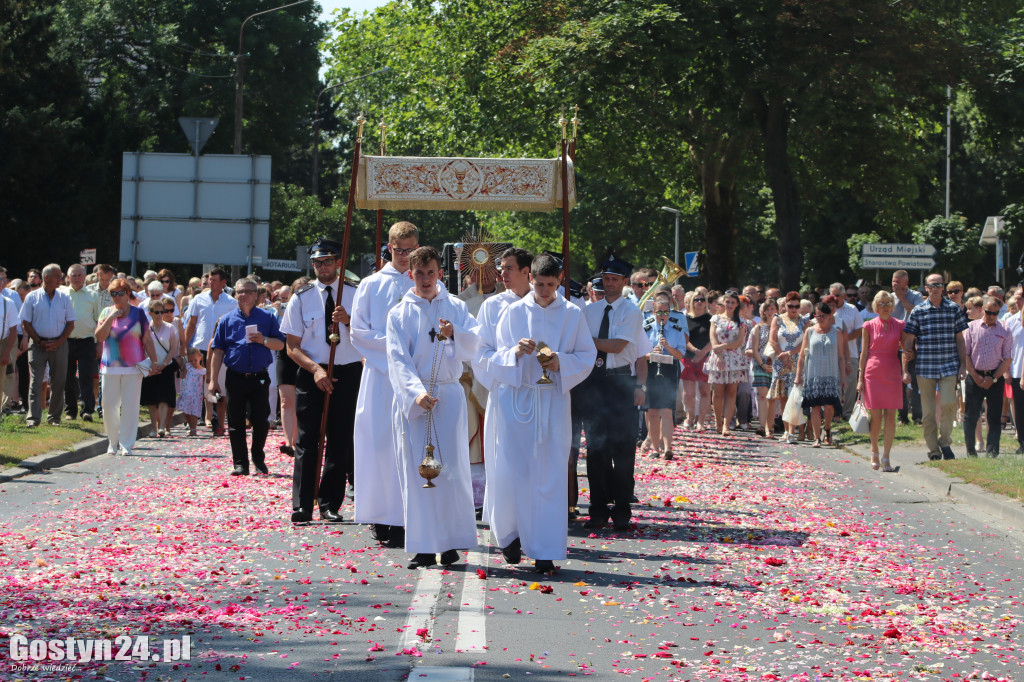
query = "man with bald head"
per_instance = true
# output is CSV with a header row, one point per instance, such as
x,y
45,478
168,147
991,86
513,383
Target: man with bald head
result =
x,y
48,318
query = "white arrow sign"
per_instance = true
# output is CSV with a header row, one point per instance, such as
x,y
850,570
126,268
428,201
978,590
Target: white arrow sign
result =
x,y
897,262
897,250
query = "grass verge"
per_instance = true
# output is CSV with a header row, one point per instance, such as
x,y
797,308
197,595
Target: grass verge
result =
x,y
18,442
1003,475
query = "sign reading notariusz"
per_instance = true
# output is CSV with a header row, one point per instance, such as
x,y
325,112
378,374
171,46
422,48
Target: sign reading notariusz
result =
x,y
898,256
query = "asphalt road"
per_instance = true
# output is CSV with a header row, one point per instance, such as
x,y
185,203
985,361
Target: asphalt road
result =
x,y
748,561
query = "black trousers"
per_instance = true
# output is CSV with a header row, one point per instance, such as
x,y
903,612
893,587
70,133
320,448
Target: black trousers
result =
x,y
577,401
973,397
248,395
609,421
23,376
339,458
911,393
81,368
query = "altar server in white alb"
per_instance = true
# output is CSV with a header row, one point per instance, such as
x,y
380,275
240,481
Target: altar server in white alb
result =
x,y
380,495
544,350
429,335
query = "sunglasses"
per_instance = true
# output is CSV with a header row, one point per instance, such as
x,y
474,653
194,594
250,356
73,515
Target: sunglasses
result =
x,y
169,311
699,300
793,306
991,312
953,292
642,285
118,293
245,291
160,311
935,285
166,281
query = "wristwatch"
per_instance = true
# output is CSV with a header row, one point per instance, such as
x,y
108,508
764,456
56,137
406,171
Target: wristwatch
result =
x,y
642,387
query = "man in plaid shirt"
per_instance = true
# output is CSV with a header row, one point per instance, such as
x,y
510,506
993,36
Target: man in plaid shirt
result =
x,y
934,336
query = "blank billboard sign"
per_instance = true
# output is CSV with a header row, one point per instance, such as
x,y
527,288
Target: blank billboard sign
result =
x,y
180,208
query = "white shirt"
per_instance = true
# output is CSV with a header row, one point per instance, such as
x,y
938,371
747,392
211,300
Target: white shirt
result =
x,y
304,318
48,316
849,320
13,303
9,316
626,322
207,312
1017,330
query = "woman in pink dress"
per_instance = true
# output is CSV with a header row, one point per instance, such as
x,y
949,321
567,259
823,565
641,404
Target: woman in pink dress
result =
x,y
880,384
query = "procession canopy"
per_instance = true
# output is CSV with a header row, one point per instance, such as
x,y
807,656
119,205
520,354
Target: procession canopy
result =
x,y
460,184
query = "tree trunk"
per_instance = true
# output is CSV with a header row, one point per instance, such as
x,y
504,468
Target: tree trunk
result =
x,y
715,166
773,117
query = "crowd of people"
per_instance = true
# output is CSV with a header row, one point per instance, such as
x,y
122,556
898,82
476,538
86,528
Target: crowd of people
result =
x,y
487,393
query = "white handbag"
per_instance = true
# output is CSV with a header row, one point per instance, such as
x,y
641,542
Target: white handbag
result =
x,y
794,412
860,420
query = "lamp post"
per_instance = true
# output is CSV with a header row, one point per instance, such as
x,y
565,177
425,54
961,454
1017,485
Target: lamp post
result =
x,y
316,126
239,83
677,212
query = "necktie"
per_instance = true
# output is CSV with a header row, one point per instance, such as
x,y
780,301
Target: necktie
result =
x,y
602,333
329,311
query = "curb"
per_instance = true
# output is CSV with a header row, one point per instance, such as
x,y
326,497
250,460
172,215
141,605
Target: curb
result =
x,y
993,504
79,452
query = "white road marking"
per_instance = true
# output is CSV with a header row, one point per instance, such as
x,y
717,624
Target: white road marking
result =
x,y
472,632
442,673
421,613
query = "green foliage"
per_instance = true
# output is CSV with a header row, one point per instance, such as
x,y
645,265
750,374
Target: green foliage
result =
x,y
855,243
955,241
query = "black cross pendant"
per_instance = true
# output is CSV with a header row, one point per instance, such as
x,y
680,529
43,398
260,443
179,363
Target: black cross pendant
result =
x,y
433,335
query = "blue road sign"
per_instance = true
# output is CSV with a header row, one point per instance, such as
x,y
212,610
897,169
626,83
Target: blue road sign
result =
x,y
691,263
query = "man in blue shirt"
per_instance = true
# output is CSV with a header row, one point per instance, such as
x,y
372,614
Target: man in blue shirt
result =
x,y
243,341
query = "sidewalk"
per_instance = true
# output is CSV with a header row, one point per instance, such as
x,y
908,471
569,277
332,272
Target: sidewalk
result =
x,y
78,452
909,467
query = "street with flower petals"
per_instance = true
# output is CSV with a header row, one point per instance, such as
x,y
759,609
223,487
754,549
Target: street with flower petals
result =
x,y
747,561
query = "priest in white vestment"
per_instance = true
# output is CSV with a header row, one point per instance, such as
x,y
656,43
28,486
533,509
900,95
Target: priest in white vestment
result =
x,y
429,335
528,493
380,494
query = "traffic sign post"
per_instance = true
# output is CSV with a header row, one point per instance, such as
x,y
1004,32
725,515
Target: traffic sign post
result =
x,y
690,263
87,257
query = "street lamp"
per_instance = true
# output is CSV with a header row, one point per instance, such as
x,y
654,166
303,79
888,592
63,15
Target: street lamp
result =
x,y
238,72
316,124
677,212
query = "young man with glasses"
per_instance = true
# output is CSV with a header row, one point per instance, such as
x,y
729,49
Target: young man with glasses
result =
x,y
309,322
989,352
933,337
380,503
244,342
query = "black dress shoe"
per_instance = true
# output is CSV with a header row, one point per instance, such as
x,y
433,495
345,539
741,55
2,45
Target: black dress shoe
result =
x,y
573,514
545,566
595,523
240,470
288,450
381,532
971,452
330,516
423,561
449,557
261,467
947,452
396,537
302,516
513,553
992,453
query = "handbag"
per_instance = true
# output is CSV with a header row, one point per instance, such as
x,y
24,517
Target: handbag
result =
x,y
794,412
860,420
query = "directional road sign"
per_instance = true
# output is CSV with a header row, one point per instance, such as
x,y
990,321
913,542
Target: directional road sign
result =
x,y
87,257
897,250
690,262
897,262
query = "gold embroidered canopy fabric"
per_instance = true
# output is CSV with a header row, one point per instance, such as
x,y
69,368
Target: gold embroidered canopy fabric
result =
x,y
457,184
